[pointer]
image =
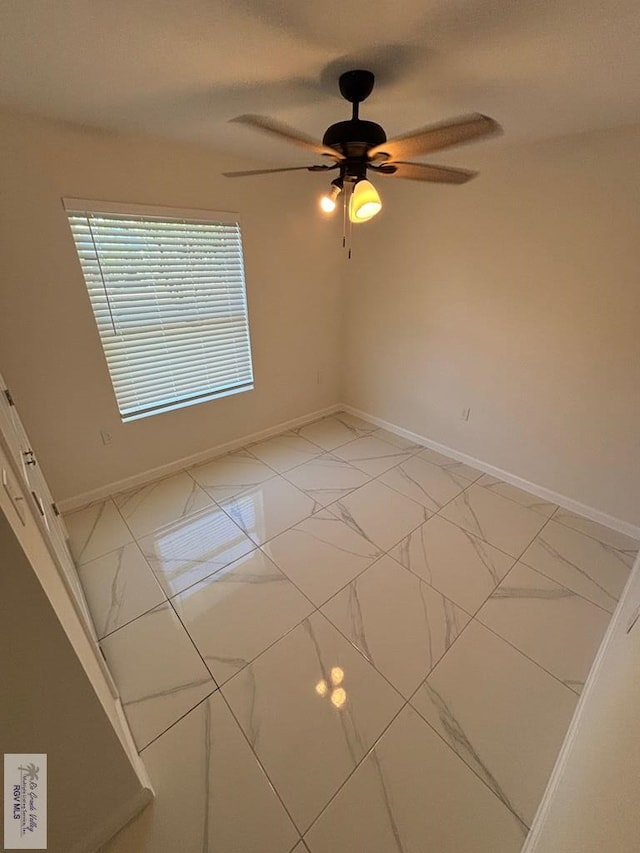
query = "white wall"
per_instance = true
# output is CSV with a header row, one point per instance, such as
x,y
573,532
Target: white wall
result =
x,y
517,295
49,348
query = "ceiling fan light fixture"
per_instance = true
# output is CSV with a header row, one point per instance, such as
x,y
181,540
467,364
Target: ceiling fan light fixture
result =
x,y
328,200
356,145
365,202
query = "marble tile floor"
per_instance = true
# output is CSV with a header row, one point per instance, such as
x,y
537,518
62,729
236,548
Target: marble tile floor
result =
x,y
338,641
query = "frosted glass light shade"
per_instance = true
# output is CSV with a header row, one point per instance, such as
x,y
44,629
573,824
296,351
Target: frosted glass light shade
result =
x,y
365,202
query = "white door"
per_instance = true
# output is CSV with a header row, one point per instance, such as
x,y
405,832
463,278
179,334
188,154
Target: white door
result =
x,y
18,447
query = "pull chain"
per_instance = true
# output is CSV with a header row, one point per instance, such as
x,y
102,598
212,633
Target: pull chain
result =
x,y
344,216
348,225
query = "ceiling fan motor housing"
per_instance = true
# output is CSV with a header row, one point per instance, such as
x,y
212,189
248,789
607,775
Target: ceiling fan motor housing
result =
x,y
354,137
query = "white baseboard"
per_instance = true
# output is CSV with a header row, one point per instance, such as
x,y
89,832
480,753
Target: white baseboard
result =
x,y
102,492
122,816
541,491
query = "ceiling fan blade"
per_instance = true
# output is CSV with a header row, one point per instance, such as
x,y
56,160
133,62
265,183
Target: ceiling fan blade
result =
x,y
427,172
436,136
246,174
288,134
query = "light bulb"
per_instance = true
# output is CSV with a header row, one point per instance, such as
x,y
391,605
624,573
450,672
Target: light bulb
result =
x,y
328,200
327,204
337,675
339,697
365,202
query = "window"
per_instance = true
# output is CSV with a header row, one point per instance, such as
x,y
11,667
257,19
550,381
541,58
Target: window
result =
x,y
168,295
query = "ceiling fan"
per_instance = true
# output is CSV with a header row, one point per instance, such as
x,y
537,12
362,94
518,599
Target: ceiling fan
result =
x,y
356,147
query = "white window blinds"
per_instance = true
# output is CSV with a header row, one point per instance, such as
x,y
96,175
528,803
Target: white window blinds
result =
x,y
168,295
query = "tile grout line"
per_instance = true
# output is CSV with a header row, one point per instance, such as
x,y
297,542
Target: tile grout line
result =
x,y
498,482
474,620
259,546
256,546
524,654
295,524
263,652
318,608
553,516
408,701
413,452
301,832
560,509
518,651
579,594
493,631
238,724
521,561
139,616
81,566
472,769
157,737
327,507
135,540
473,617
372,478
323,451
284,473
373,665
405,702
525,509
519,558
446,742
197,705
218,689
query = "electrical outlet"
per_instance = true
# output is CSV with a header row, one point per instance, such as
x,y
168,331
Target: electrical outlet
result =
x,y
465,415
105,435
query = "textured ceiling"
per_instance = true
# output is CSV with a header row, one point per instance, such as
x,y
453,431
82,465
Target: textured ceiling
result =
x,y
182,69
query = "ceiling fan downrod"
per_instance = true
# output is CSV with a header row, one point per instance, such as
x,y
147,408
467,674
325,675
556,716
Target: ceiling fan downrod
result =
x,y
354,137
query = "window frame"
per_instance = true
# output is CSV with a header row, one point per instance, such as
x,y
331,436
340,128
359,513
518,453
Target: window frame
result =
x,y
79,207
